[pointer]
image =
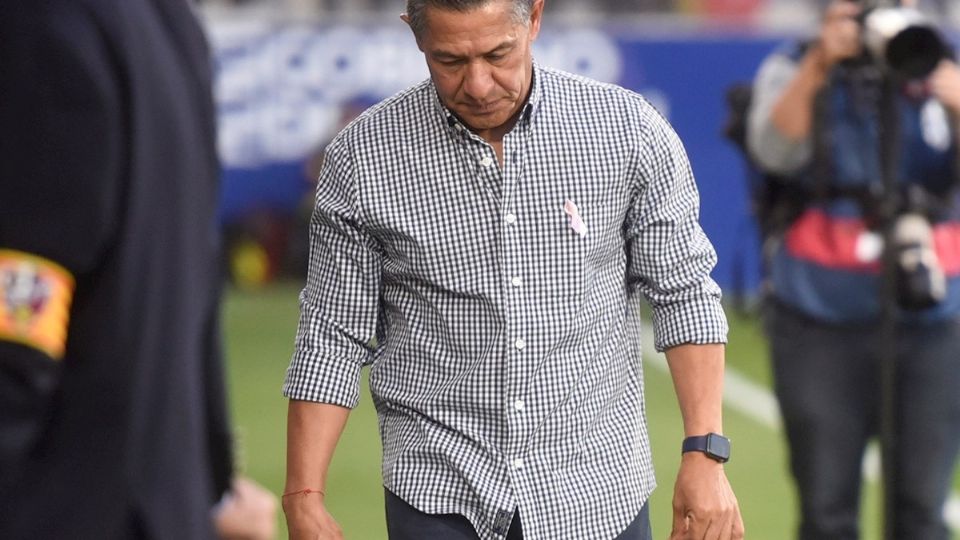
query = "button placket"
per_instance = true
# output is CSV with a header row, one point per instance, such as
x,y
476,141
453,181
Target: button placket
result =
x,y
515,283
501,524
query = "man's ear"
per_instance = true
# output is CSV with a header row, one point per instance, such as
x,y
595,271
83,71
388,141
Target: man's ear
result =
x,y
406,18
536,15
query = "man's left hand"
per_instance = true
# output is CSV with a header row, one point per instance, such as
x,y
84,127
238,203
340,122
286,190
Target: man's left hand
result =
x,y
704,506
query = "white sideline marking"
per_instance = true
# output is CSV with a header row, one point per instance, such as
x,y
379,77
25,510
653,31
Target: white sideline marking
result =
x,y
759,404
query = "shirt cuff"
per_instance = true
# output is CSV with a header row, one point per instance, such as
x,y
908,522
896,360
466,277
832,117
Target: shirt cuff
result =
x,y
686,323
315,377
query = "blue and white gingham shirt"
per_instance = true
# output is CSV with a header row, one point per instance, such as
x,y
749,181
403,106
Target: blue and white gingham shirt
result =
x,y
506,372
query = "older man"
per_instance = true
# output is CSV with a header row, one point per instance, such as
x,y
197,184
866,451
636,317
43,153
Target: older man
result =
x,y
494,229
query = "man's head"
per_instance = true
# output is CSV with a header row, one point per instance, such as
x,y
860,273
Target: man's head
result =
x,y
479,53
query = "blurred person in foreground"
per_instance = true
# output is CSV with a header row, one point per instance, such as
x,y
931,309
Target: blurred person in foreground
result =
x,y
113,420
492,230
823,317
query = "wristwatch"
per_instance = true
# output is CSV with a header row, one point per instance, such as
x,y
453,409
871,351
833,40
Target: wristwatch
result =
x,y
714,445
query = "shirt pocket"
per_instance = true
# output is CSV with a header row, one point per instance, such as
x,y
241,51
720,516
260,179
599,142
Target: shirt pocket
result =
x,y
569,256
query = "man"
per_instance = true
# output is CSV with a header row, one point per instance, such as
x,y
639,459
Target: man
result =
x,y
113,421
826,288
491,228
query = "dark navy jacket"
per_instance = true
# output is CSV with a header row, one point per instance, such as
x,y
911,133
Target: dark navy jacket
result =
x,y
108,168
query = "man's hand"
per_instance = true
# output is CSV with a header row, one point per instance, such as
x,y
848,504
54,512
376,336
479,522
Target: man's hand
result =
x,y
313,430
704,506
308,519
248,512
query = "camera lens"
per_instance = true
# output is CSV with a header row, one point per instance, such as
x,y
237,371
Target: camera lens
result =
x,y
903,41
914,52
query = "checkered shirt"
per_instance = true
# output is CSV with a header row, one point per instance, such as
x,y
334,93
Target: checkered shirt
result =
x,y
497,307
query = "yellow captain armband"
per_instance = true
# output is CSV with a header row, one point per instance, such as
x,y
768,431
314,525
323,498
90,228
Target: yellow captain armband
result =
x,y
35,297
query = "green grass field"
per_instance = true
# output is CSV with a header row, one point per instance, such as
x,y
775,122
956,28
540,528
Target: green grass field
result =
x,y
260,328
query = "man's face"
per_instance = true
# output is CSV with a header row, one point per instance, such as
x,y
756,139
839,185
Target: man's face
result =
x,y
481,60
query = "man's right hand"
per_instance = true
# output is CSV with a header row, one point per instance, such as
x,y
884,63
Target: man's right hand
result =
x,y
313,430
308,519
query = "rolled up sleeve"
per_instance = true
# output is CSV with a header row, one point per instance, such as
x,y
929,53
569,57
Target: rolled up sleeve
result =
x,y
340,303
670,256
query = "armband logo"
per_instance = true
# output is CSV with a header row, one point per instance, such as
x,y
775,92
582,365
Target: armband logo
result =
x,y
35,297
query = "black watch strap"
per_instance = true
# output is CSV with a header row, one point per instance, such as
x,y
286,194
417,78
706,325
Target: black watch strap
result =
x,y
714,445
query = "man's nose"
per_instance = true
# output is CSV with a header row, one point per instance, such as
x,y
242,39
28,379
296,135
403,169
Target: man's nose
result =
x,y
478,81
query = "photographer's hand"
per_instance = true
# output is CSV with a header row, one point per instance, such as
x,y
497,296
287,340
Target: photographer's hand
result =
x,y
839,39
945,86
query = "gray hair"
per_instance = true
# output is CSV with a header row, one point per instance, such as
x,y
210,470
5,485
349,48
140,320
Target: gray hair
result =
x,y
416,10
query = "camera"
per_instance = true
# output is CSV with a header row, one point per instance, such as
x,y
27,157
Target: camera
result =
x,y
920,281
901,39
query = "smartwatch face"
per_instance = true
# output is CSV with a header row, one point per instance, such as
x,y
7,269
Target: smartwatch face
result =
x,y
718,446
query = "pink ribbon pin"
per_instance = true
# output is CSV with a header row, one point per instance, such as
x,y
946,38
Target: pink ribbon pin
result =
x,y
576,222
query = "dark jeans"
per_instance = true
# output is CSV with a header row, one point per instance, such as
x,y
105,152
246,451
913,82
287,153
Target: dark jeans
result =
x,y
828,383
405,522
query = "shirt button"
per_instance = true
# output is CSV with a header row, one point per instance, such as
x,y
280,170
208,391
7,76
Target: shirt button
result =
x,y
519,344
518,404
486,161
517,463
516,281
510,219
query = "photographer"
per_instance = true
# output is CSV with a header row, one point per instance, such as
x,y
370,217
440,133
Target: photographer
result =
x,y
815,120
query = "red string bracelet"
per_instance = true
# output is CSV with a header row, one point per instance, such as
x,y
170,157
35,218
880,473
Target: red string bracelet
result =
x,y
304,492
